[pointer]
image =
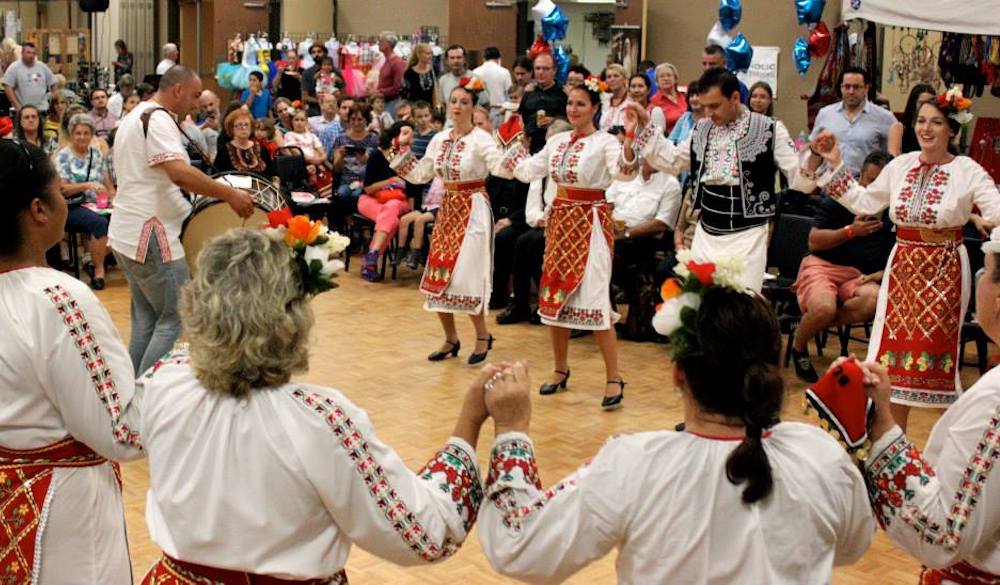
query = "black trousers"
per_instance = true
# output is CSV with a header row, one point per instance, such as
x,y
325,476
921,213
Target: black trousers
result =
x,y
633,257
529,252
504,246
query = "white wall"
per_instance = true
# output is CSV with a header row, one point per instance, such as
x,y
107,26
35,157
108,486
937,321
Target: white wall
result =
x,y
579,33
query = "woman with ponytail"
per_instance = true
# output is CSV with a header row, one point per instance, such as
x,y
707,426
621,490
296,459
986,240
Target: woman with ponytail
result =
x,y
735,497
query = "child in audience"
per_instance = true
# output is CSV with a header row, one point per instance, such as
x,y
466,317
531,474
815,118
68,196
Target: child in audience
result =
x,y
417,221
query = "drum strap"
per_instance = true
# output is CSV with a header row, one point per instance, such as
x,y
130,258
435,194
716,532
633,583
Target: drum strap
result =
x,y
191,143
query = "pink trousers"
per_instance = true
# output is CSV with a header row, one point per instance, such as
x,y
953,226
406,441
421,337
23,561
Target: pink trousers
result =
x,y
385,215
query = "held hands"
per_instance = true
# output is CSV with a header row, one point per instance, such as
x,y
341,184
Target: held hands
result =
x,y
878,387
508,397
405,136
825,146
636,117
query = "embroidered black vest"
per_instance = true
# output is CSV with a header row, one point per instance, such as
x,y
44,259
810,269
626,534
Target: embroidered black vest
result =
x,y
753,203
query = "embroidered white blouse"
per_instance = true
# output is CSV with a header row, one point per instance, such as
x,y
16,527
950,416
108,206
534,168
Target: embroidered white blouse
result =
x,y
284,481
663,500
722,163
935,196
589,162
612,115
453,158
65,373
943,505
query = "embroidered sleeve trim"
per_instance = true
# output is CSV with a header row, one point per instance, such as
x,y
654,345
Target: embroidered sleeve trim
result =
x,y
453,468
158,159
404,163
642,140
839,182
899,471
513,155
513,467
93,358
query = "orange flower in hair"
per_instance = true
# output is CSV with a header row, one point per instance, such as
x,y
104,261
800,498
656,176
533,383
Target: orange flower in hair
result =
x,y
302,231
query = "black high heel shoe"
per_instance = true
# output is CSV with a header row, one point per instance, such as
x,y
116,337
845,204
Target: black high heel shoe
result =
x,y
440,355
614,402
478,357
547,389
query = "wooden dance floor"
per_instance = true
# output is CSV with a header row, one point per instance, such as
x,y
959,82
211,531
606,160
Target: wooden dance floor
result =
x,y
370,342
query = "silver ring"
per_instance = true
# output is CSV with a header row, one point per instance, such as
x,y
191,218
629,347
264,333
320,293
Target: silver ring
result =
x,y
488,386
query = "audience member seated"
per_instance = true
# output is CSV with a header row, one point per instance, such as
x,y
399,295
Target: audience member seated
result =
x,y
241,153
644,209
53,128
839,280
349,154
416,222
384,200
687,221
710,504
266,135
85,180
334,129
302,138
104,119
507,199
28,129
257,98
327,115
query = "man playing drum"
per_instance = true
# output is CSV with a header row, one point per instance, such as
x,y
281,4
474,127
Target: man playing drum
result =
x,y
153,167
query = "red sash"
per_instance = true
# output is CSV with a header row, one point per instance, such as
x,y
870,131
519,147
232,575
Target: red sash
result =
x,y
567,245
962,573
923,317
168,571
25,479
450,226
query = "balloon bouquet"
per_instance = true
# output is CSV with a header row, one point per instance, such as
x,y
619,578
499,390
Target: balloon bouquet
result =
x,y
553,24
810,13
739,51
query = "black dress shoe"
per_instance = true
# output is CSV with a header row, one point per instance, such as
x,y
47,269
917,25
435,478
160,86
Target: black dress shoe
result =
x,y
547,389
514,314
614,402
97,284
479,357
804,368
535,318
499,301
452,351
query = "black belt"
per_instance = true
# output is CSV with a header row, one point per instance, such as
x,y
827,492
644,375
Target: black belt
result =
x,y
722,210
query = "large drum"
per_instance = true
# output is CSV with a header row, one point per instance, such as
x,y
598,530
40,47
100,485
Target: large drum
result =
x,y
211,217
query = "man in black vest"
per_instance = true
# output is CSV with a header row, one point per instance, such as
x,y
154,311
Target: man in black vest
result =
x,y
732,156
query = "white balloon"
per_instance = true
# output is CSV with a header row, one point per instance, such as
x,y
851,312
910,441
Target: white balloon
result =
x,y
542,9
719,36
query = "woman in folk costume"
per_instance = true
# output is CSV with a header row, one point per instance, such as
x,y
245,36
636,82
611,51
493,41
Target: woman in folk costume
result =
x,y
284,477
942,504
921,305
576,273
734,478
67,387
459,271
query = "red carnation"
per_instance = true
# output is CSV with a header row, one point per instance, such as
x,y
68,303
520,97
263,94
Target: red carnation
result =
x,y
703,272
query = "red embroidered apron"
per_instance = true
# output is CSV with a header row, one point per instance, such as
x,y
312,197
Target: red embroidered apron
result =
x,y
449,232
962,573
25,479
168,571
923,317
567,245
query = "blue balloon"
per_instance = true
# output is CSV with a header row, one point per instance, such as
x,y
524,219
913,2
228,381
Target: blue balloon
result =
x,y
554,25
562,63
801,55
730,12
740,53
810,11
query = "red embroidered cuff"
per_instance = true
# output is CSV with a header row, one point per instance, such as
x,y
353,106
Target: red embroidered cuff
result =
x,y
454,471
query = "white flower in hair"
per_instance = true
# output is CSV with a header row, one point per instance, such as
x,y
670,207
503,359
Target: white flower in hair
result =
x,y
337,243
667,320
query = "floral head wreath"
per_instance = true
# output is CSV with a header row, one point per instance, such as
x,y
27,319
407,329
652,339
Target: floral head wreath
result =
x,y
312,247
471,83
676,317
594,84
956,105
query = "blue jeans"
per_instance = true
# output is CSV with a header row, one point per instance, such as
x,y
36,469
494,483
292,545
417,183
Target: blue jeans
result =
x,y
155,287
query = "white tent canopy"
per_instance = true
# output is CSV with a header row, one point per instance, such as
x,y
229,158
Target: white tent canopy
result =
x,y
976,17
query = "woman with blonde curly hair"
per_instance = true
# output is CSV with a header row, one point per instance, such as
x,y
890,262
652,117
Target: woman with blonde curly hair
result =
x,y
253,475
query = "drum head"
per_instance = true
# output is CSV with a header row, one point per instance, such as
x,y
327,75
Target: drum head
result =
x,y
211,217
